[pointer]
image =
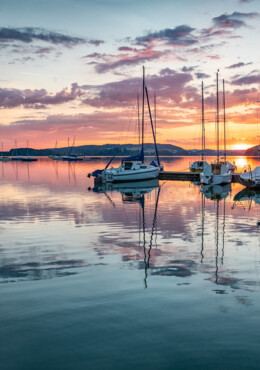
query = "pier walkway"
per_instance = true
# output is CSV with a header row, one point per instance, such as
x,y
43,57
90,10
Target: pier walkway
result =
x,y
188,176
179,176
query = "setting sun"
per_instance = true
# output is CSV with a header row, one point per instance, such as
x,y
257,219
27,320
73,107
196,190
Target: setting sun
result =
x,y
241,146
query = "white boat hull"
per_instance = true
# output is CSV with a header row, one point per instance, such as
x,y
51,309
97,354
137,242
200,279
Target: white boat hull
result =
x,y
120,176
251,178
216,179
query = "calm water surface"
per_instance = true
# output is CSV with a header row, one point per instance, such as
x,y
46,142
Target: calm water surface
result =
x,y
165,275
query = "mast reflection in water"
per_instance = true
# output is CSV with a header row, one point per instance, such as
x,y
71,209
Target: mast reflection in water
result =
x,y
75,265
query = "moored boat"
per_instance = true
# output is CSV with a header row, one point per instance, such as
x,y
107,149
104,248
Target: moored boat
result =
x,y
216,173
133,168
250,179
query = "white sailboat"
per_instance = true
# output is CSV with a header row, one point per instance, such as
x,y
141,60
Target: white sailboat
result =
x,y
199,166
216,173
133,168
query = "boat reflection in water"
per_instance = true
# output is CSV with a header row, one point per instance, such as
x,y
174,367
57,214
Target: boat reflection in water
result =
x,y
215,192
248,195
218,194
134,192
131,191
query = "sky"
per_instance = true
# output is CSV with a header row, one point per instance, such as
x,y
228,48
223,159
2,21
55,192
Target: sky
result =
x,y
73,69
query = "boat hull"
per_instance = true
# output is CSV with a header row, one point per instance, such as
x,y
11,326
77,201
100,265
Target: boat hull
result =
x,y
216,179
29,159
125,176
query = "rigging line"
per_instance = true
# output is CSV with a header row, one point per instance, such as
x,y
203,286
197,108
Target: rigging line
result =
x,y
132,109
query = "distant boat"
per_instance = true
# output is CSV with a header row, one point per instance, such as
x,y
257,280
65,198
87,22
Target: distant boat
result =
x,y
15,157
54,154
70,157
133,168
199,166
28,158
4,158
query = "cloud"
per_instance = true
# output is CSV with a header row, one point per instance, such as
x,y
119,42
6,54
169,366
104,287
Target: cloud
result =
x,y
30,34
238,65
130,57
170,86
178,36
236,98
11,98
234,20
247,80
225,24
200,75
188,69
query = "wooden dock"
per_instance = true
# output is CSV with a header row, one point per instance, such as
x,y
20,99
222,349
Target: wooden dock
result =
x,y
179,176
189,176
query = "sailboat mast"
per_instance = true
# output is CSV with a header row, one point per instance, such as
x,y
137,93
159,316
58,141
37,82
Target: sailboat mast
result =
x,y
155,114
202,124
224,118
138,118
143,112
217,122
151,120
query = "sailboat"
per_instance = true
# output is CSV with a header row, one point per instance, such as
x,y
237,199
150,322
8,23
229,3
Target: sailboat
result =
x,y
15,157
71,157
216,173
27,158
133,168
3,158
55,156
199,166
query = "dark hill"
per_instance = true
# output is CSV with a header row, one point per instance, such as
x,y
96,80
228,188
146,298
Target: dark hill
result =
x,y
253,152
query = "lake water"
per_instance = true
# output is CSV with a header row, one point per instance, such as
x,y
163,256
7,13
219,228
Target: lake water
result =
x,y
116,277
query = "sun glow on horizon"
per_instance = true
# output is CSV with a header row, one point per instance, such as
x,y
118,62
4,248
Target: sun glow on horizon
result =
x,y
241,146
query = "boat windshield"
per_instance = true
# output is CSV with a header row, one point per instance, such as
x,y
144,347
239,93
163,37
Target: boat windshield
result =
x,y
128,165
216,168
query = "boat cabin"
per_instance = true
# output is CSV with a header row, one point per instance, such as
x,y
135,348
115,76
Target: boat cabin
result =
x,y
132,165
